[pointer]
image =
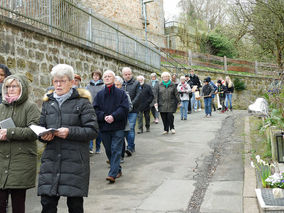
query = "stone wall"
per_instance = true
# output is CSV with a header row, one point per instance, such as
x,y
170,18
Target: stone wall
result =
x,y
32,52
128,14
256,86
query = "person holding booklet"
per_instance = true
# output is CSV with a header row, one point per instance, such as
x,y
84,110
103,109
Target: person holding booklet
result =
x,y
18,149
65,168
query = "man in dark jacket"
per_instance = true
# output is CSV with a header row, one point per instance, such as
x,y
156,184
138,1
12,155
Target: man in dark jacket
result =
x,y
132,87
195,82
145,98
111,105
65,169
4,73
207,92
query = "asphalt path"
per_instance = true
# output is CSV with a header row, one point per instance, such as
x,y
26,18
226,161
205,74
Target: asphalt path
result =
x,y
164,173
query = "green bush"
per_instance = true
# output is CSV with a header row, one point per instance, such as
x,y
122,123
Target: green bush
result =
x,y
217,44
239,85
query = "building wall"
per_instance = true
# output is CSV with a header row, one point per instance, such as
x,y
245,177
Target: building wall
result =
x,y
33,52
128,14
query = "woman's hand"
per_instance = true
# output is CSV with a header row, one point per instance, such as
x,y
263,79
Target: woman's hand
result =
x,y
109,119
47,137
3,134
62,132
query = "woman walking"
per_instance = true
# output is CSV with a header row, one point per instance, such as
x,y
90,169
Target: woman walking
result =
x,y
18,149
167,99
184,90
229,92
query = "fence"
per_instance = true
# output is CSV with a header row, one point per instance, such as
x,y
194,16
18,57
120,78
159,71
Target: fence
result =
x,y
222,63
69,20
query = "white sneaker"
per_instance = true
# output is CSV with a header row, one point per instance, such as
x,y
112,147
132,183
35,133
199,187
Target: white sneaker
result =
x,y
91,152
173,131
199,109
165,133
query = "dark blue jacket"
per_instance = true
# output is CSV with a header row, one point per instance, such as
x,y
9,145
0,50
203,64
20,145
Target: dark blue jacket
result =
x,y
111,102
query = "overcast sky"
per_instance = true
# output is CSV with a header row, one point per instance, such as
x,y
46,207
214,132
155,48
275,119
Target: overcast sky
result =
x,y
171,10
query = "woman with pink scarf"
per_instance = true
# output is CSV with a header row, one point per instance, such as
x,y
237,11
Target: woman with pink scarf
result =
x,y
18,149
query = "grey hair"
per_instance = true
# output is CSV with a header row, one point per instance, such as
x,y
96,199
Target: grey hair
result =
x,y
166,74
118,78
109,71
182,77
140,76
126,69
61,70
153,74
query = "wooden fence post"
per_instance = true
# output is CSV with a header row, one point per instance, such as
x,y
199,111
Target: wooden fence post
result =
x,y
225,64
256,67
189,56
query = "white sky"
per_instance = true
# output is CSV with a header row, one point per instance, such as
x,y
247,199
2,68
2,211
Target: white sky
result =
x,y
171,9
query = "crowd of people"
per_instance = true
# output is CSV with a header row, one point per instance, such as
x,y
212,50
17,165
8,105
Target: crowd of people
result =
x,y
105,111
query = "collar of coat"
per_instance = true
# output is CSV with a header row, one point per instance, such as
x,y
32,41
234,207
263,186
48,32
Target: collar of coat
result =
x,y
77,93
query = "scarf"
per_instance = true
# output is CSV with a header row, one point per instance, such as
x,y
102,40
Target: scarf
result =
x,y
60,99
11,99
109,87
154,82
167,84
96,82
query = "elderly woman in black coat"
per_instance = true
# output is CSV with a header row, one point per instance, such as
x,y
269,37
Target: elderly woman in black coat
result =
x,y
65,166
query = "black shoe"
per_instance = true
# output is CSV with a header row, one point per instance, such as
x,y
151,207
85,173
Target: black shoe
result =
x,y
148,130
128,152
140,131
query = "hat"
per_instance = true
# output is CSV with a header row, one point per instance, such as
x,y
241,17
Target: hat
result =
x,y
219,82
209,79
186,75
77,77
206,80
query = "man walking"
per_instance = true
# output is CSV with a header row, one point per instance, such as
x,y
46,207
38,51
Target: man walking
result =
x,y
145,98
132,87
111,106
195,82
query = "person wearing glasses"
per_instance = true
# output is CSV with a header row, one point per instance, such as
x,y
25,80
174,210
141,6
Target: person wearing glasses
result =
x,y
18,149
65,168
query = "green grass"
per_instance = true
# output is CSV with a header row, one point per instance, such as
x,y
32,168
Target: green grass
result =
x,y
260,145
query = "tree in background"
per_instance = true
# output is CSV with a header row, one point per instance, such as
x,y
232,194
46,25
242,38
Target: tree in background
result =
x,y
263,20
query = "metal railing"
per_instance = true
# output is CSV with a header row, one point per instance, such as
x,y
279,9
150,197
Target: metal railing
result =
x,y
65,18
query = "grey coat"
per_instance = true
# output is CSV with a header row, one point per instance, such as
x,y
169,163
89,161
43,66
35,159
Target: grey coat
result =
x,y
167,98
65,168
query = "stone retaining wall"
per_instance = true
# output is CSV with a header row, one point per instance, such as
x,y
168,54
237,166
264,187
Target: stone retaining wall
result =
x,y
27,50
256,86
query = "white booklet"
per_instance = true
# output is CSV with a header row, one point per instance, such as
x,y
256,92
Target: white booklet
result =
x,y
7,123
40,131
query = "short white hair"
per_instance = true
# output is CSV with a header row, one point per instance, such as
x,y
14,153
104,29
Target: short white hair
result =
x,y
124,69
109,71
61,70
140,76
119,79
182,77
153,74
166,74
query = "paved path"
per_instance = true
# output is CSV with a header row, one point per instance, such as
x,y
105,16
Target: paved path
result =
x,y
160,175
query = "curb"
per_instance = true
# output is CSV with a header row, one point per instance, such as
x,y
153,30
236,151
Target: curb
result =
x,y
249,196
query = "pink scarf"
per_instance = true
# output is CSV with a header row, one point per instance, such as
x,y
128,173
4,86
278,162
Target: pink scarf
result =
x,y
11,99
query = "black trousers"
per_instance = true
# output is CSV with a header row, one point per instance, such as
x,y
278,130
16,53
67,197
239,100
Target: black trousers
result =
x,y
18,197
49,204
168,120
147,119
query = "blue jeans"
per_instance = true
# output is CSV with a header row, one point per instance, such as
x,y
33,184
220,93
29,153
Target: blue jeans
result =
x,y
229,98
98,143
113,142
184,109
131,134
207,103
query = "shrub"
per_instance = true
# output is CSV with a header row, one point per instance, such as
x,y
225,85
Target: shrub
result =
x,y
239,85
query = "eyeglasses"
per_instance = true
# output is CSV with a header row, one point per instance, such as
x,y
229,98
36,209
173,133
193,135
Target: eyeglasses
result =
x,y
12,87
59,81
